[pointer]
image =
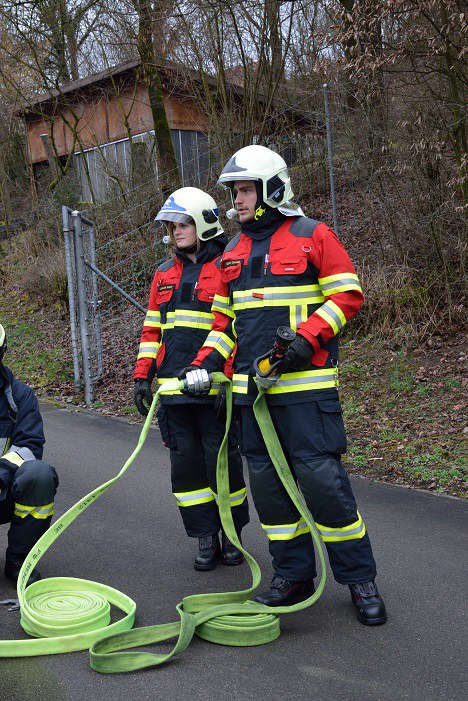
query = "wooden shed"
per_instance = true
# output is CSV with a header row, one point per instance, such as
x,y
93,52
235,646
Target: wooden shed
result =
x,y
99,119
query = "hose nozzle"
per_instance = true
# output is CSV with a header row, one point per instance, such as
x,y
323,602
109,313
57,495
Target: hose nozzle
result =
x,y
267,367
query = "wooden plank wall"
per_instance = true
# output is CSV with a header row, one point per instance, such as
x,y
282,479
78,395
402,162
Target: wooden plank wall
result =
x,y
100,120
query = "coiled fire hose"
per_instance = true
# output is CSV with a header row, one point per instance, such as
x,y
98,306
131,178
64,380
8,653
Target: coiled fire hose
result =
x,y
65,614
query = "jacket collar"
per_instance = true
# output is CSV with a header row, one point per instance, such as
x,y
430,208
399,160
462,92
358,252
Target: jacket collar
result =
x,y
209,251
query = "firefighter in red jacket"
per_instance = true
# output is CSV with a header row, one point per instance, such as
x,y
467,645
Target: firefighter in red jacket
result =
x,y
177,324
284,269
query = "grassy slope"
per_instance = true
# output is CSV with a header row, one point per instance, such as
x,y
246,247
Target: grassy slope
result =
x,y
404,414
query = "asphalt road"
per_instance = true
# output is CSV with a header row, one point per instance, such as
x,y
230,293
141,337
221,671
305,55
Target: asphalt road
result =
x,y
132,538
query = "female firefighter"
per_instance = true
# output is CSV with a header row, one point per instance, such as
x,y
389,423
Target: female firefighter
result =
x,y
177,324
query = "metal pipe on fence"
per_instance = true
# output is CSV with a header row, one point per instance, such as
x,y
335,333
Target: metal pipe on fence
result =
x,y
71,296
115,286
97,316
330,158
83,307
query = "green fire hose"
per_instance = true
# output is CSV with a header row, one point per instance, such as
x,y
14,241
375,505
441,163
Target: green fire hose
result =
x,y
64,614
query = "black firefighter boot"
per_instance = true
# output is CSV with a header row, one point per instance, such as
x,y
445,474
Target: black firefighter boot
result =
x,y
230,555
209,553
282,592
13,565
369,605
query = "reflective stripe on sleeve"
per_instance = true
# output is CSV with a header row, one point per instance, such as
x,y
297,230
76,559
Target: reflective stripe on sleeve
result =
x,y
199,496
39,512
152,318
148,349
220,341
342,282
332,314
223,305
352,532
286,531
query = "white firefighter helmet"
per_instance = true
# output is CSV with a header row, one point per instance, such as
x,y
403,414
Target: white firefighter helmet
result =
x,y
262,164
190,203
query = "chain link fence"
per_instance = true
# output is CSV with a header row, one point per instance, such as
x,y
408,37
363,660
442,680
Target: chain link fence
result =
x,y
108,286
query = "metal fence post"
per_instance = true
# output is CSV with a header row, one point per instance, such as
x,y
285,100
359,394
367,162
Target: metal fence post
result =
x,y
97,316
330,158
83,307
69,256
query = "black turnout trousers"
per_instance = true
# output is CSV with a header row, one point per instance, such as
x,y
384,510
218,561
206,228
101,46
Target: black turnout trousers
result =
x,y
194,434
313,437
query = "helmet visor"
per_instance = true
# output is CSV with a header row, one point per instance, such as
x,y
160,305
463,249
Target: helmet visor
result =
x,y
229,178
174,217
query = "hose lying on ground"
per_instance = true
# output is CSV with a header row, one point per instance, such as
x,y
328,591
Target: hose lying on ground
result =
x,y
65,614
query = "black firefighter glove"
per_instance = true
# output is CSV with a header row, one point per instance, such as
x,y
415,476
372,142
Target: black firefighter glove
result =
x,y
143,392
298,355
198,381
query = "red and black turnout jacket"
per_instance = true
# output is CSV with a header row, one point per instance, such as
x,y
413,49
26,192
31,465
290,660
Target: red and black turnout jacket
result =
x,y
299,276
179,316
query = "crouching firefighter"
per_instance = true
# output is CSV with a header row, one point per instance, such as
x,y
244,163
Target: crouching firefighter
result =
x,y
27,483
286,270
177,324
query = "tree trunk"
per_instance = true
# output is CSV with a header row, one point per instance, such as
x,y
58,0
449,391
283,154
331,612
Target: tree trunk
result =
x,y
167,163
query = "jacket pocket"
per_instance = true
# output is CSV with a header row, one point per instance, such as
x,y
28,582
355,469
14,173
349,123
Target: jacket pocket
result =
x,y
230,270
289,265
164,293
331,416
206,292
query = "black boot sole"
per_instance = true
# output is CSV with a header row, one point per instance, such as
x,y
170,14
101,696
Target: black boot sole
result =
x,y
205,568
373,621
232,563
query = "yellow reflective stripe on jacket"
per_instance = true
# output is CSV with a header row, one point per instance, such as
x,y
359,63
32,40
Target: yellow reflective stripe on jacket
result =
x,y
305,380
189,319
240,383
152,318
353,531
161,380
286,531
221,342
39,512
14,458
223,305
341,282
297,314
332,314
277,296
198,496
236,498
148,349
